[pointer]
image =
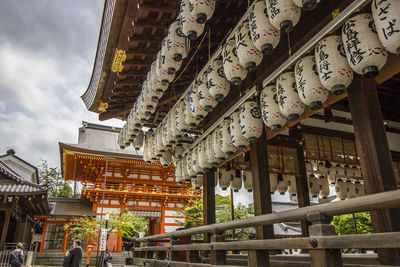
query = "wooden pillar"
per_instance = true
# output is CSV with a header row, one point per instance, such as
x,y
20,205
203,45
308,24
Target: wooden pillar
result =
x,y
208,200
262,197
375,157
43,236
119,242
65,241
303,196
5,227
162,226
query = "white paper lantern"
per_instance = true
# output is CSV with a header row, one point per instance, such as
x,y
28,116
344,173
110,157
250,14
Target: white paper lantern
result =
x,y
202,10
195,161
309,87
351,190
225,138
179,175
205,99
387,18
167,158
172,130
249,56
292,187
210,156
247,180
201,152
271,114
177,45
224,178
238,140
219,154
273,182
178,151
190,119
163,162
282,183
185,169
283,14
323,187
264,36
198,110
236,181
250,120
160,73
359,188
198,182
218,85
307,4
341,189
165,132
189,165
364,50
168,63
160,148
190,27
148,89
313,186
334,71
180,119
288,97
234,72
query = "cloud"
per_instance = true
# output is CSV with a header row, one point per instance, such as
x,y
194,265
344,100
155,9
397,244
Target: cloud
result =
x,y
47,52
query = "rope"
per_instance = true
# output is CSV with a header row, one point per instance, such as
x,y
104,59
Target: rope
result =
x,y
191,59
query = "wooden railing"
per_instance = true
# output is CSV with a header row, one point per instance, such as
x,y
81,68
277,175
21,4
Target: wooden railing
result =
x,y
323,244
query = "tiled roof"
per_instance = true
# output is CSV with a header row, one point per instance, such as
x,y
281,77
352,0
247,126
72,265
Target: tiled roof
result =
x,y
15,183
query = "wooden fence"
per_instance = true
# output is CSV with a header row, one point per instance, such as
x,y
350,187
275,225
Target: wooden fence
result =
x,y
323,243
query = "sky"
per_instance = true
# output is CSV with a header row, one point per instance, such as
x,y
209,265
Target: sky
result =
x,y
47,52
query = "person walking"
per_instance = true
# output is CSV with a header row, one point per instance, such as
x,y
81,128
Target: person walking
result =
x,y
17,256
107,258
73,257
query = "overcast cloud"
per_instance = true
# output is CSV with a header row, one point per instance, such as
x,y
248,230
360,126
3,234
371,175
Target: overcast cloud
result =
x,y
47,51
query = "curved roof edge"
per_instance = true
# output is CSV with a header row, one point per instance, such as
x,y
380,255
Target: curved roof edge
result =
x,y
105,50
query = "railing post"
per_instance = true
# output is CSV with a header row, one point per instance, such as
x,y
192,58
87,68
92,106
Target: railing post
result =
x,y
217,257
149,254
208,200
262,198
321,226
173,255
135,253
161,255
193,257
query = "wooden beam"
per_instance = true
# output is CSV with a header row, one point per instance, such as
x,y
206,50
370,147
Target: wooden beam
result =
x,y
113,114
149,24
375,157
145,39
123,83
262,198
139,63
141,52
159,7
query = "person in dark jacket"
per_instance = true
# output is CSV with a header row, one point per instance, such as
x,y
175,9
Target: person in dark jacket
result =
x,y
17,256
73,257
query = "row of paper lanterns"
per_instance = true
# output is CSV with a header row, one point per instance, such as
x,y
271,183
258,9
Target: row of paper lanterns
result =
x,y
212,85
330,69
282,183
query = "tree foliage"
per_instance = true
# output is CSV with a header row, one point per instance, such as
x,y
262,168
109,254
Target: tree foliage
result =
x,y
344,223
87,228
51,178
194,215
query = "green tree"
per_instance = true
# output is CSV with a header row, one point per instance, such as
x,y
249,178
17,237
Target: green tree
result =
x,y
344,223
51,178
194,215
87,228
